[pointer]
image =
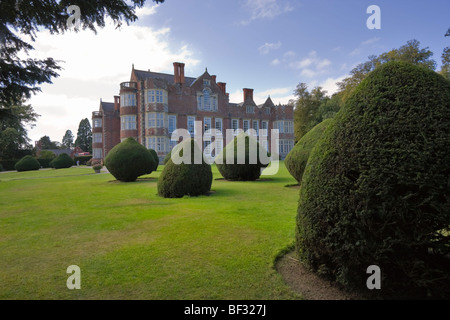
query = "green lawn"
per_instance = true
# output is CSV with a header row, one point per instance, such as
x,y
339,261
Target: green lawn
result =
x,y
132,244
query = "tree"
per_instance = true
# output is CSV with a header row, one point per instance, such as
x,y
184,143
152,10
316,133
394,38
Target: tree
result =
x,y
67,140
19,77
410,52
306,112
445,69
84,136
45,143
13,131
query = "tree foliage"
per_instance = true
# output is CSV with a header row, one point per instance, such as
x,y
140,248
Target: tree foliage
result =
x,y
27,163
67,140
445,70
84,136
20,77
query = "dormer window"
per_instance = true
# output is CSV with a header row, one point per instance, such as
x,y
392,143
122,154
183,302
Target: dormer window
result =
x,y
206,82
250,109
206,101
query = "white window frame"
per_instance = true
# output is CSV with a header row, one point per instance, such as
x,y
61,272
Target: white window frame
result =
x,y
207,124
127,121
235,130
191,127
257,126
97,153
172,118
265,127
220,127
97,137
98,123
246,125
128,100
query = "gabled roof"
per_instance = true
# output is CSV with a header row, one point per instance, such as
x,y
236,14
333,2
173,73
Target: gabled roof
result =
x,y
143,75
267,103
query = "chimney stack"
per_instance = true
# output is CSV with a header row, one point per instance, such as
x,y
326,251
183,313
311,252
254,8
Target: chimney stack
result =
x,y
213,77
116,103
178,72
222,86
248,94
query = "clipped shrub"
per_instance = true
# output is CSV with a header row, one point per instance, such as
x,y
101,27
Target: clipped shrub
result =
x,y
178,180
8,164
27,163
375,189
156,158
62,161
167,157
297,158
242,166
128,160
45,163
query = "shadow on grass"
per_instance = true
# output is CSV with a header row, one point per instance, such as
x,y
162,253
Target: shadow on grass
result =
x,y
138,180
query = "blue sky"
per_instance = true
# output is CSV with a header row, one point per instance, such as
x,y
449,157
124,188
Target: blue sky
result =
x,y
267,45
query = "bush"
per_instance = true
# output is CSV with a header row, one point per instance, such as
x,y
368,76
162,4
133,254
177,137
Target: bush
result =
x,y
129,160
375,190
156,158
8,164
245,171
62,161
83,159
1,167
167,157
297,158
45,163
27,163
177,180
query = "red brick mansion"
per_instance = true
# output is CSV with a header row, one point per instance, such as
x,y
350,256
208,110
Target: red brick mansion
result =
x,y
152,105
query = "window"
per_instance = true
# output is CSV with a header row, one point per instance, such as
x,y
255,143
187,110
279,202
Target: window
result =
x,y
285,146
255,126
97,153
207,148
250,109
156,96
191,125
279,126
155,120
97,123
218,124
206,124
246,125
206,101
265,127
235,125
157,143
97,138
128,122
128,100
172,124
267,110
172,144
219,146
206,82
288,127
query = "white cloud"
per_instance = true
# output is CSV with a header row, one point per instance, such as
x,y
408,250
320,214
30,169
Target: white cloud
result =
x,y
265,9
312,65
275,62
330,85
355,52
278,95
94,66
309,73
146,11
370,41
267,47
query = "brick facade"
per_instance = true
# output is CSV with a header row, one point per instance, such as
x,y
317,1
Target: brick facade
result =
x,y
153,104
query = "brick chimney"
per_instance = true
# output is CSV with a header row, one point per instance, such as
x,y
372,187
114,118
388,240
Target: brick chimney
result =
x,y
116,103
222,86
213,77
178,72
248,94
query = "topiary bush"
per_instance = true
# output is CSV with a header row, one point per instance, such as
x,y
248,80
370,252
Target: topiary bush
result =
x,y
129,160
246,171
62,161
167,157
156,158
297,158
27,163
376,187
178,180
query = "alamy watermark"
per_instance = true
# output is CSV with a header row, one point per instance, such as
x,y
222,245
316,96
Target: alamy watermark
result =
x,y
374,21
74,280
215,140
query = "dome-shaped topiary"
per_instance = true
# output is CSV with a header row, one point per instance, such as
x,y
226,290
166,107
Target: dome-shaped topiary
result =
x,y
376,188
62,161
297,158
27,163
129,160
177,180
246,163
167,157
156,158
